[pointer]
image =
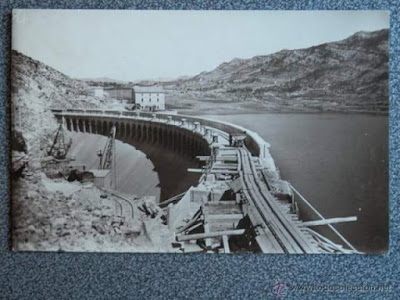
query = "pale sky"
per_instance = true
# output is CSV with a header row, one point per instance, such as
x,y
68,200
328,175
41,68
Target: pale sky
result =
x,y
134,45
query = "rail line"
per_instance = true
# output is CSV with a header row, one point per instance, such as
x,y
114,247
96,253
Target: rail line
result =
x,y
123,205
286,233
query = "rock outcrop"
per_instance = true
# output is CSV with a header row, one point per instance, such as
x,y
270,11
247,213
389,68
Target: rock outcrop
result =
x,y
35,89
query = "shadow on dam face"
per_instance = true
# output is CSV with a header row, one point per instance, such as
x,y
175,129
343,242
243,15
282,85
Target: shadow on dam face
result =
x,y
143,169
170,166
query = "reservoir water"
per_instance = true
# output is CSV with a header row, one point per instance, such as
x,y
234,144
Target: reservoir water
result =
x,y
339,162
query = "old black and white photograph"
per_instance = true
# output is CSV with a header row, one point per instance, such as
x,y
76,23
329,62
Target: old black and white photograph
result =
x,y
200,131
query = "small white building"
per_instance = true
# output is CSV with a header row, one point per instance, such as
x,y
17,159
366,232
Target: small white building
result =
x,y
149,97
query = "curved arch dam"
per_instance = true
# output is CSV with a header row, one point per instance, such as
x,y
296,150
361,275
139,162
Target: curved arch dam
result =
x,y
156,154
235,196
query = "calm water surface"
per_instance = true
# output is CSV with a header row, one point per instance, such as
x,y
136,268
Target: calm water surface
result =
x,y
339,162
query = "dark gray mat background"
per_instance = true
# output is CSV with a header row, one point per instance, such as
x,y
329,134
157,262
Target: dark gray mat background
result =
x,y
161,276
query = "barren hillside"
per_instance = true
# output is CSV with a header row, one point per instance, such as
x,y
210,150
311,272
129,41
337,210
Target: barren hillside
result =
x,y
36,88
53,214
346,75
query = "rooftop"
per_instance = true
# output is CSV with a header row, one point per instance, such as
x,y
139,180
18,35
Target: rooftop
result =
x,y
148,89
116,88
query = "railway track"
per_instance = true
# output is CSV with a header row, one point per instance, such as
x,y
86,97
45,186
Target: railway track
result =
x,y
278,232
123,205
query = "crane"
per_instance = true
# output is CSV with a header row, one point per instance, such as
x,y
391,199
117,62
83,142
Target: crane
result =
x,y
107,156
58,148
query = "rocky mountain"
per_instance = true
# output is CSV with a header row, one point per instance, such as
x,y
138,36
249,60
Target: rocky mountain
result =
x,y
35,89
102,79
105,82
55,214
351,74
34,78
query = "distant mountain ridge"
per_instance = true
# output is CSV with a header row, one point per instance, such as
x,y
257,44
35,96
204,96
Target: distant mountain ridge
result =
x,y
101,79
348,74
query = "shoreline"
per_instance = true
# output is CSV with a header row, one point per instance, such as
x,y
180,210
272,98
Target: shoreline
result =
x,y
195,112
193,104
220,107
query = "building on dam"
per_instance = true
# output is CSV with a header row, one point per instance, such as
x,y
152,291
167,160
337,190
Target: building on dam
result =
x,y
150,98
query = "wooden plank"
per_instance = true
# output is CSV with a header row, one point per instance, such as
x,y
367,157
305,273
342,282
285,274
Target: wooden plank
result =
x,y
228,158
225,217
199,236
223,209
224,167
192,248
329,221
222,225
222,202
226,244
193,227
188,225
203,158
207,231
224,153
193,170
172,200
223,164
228,172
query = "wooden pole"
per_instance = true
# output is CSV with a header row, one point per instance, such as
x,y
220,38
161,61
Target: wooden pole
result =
x,y
329,221
209,235
226,244
171,200
189,224
322,217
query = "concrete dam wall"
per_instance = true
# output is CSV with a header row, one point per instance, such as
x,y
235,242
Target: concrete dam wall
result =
x,y
171,150
254,143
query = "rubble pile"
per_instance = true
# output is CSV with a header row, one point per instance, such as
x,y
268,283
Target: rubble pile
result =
x,y
63,216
